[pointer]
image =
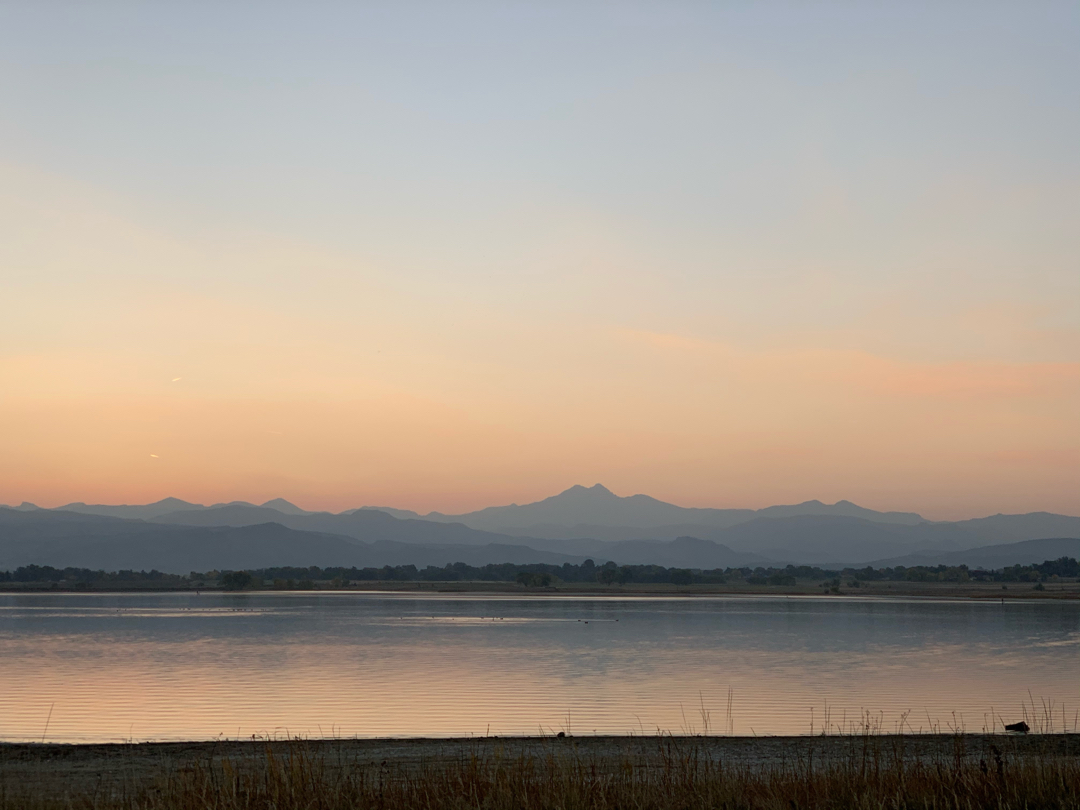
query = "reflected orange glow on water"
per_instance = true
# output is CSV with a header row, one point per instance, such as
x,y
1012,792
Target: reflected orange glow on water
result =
x,y
186,667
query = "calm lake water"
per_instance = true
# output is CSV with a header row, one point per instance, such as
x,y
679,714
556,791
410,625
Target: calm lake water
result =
x,y
179,666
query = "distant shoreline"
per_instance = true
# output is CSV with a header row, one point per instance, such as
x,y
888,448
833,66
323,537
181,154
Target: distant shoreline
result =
x,y
1064,590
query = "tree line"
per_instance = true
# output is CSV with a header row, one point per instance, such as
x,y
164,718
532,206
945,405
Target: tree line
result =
x,y
539,575
46,573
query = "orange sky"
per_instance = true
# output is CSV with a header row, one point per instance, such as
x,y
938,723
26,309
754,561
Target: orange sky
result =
x,y
715,265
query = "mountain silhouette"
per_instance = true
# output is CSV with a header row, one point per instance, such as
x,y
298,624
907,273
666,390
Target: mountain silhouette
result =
x,y
579,522
164,506
62,539
559,516
1027,552
286,508
1011,528
366,525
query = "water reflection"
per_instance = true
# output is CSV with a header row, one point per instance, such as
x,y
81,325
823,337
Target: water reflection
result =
x,y
181,666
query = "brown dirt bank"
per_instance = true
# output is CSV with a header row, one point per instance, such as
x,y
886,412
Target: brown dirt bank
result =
x,y
31,772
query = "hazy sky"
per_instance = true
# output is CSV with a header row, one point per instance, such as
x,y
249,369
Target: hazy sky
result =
x,y
442,256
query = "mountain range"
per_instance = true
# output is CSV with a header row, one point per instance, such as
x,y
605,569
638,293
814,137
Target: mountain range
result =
x,y
579,510
178,536
67,539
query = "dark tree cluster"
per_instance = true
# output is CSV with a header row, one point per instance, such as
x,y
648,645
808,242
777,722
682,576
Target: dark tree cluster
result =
x,y
87,576
542,575
1063,567
538,575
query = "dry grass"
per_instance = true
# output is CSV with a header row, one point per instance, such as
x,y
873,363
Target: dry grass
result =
x,y
672,773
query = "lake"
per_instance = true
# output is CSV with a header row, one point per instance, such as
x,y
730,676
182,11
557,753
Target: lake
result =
x,y
109,667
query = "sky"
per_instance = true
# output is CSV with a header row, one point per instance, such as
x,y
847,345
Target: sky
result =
x,y
445,256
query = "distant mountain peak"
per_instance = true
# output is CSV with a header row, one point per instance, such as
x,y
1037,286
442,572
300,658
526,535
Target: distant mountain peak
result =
x,y
171,501
165,504
595,489
283,506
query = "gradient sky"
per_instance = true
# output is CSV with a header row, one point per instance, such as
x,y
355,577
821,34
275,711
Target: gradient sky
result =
x,y
447,256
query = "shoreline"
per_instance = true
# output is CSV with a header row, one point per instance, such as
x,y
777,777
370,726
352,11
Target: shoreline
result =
x,y
57,770
1067,591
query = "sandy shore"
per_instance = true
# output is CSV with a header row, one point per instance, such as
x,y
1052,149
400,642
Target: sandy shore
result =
x,y
57,771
